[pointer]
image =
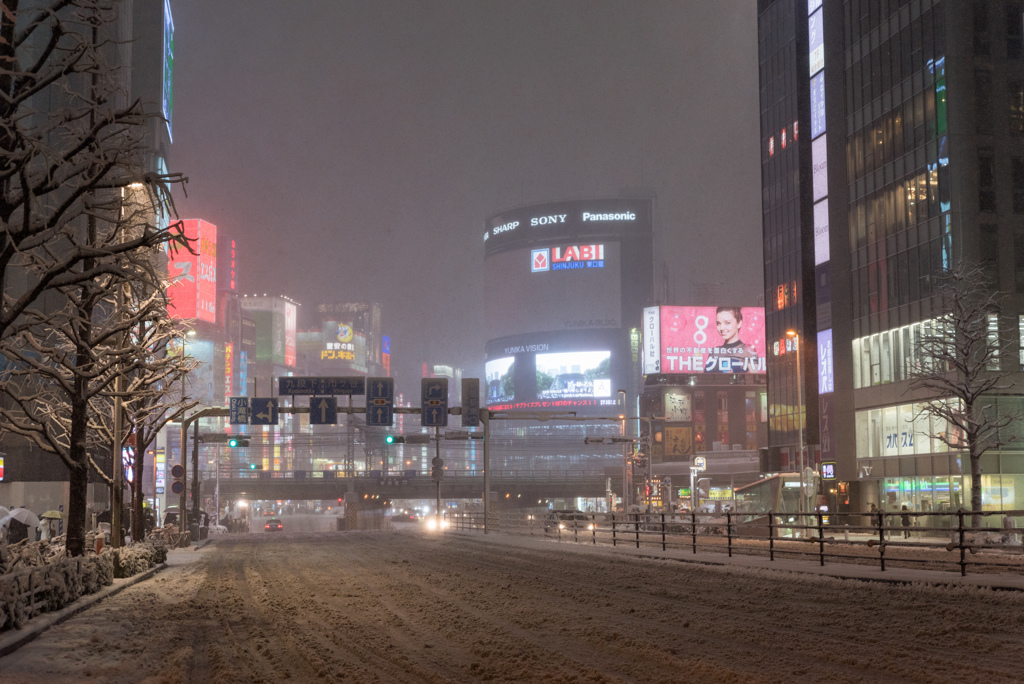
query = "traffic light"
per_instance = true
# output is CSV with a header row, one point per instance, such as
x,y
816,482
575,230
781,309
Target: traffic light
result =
x,y
178,473
438,470
236,442
394,439
255,466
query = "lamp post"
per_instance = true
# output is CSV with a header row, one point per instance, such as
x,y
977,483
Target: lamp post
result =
x,y
800,419
625,457
184,442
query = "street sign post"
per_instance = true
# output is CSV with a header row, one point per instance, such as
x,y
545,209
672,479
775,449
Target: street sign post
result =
x,y
434,402
239,411
380,401
264,411
470,402
322,386
700,463
323,411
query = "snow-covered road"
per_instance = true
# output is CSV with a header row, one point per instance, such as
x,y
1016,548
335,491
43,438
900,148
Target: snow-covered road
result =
x,y
405,607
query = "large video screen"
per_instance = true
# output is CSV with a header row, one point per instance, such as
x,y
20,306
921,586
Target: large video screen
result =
x,y
574,375
706,339
500,375
570,370
562,286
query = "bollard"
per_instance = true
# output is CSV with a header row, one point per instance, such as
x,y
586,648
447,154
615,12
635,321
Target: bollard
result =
x,y
728,531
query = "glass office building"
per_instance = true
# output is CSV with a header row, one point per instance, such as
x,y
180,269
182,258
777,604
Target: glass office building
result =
x,y
893,146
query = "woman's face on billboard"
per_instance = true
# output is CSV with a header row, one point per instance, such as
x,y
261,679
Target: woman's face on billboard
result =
x,y
728,326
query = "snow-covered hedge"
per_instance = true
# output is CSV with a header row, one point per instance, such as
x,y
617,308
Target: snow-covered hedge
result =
x,y
40,579
27,593
140,557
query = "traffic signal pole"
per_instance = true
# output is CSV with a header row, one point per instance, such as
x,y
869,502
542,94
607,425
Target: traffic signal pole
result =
x,y
437,456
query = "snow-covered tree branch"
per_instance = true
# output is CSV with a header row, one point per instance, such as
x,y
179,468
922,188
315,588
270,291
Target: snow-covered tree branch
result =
x,y
961,366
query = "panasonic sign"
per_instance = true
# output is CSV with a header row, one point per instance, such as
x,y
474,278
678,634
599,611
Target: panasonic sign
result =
x,y
624,216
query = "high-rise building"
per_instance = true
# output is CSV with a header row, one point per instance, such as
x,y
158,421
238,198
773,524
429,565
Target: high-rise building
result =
x,y
892,147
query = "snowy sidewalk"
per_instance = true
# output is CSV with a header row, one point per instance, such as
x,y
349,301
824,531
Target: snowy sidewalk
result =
x,y
872,573
14,639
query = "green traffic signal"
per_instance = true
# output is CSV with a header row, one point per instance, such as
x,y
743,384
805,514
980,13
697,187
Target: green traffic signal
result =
x,y
390,439
252,466
235,442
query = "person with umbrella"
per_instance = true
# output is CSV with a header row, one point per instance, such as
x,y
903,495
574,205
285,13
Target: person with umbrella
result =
x,y
18,523
48,524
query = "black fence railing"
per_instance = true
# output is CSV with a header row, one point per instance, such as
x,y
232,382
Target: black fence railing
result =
x,y
933,540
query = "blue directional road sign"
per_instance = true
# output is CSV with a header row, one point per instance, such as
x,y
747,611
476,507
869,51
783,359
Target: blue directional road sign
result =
x,y
434,402
355,384
470,402
239,410
380,401
264,411
323,411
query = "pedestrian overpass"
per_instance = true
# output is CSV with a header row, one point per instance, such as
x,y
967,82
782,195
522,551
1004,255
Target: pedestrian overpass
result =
x,y
517,485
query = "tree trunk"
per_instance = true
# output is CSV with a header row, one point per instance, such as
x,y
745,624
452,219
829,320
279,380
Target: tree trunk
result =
x,y
138,523
975,487
79,479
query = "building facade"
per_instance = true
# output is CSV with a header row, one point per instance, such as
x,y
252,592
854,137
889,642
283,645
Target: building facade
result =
x,y
892,147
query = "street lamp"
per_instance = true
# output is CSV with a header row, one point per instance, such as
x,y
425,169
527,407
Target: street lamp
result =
x,y
184,438
625,457
800,418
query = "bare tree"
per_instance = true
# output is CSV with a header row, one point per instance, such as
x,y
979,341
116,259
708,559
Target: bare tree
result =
x,y
961,365
150,399
69,141
74,227
62,364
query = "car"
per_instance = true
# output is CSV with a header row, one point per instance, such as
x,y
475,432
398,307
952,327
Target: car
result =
x,y
405,517
568,522
274,525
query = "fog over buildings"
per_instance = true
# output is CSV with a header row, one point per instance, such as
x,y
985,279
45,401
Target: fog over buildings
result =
x,y
354,150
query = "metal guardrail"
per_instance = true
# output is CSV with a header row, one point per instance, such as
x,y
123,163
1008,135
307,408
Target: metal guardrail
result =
x,y
859,538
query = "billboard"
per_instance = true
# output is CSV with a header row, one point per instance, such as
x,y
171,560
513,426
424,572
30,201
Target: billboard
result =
x,y
192,292
500,374
564,286
290,315
574,375
201,382
708,339
585,277
275,328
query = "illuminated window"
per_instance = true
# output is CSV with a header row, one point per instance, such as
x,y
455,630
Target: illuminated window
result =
x,y
994,362
771,146
1020,329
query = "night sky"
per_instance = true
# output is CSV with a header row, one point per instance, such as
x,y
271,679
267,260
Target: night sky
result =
x,y
354,149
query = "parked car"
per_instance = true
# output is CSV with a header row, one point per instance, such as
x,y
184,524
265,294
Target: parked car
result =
x,y
274,525
567,522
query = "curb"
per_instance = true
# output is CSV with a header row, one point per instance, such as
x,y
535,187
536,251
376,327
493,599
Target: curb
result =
x,y
19,637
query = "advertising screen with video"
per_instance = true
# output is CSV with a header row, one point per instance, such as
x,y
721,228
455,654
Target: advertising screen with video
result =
x,y
574,375
708,339
500,375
